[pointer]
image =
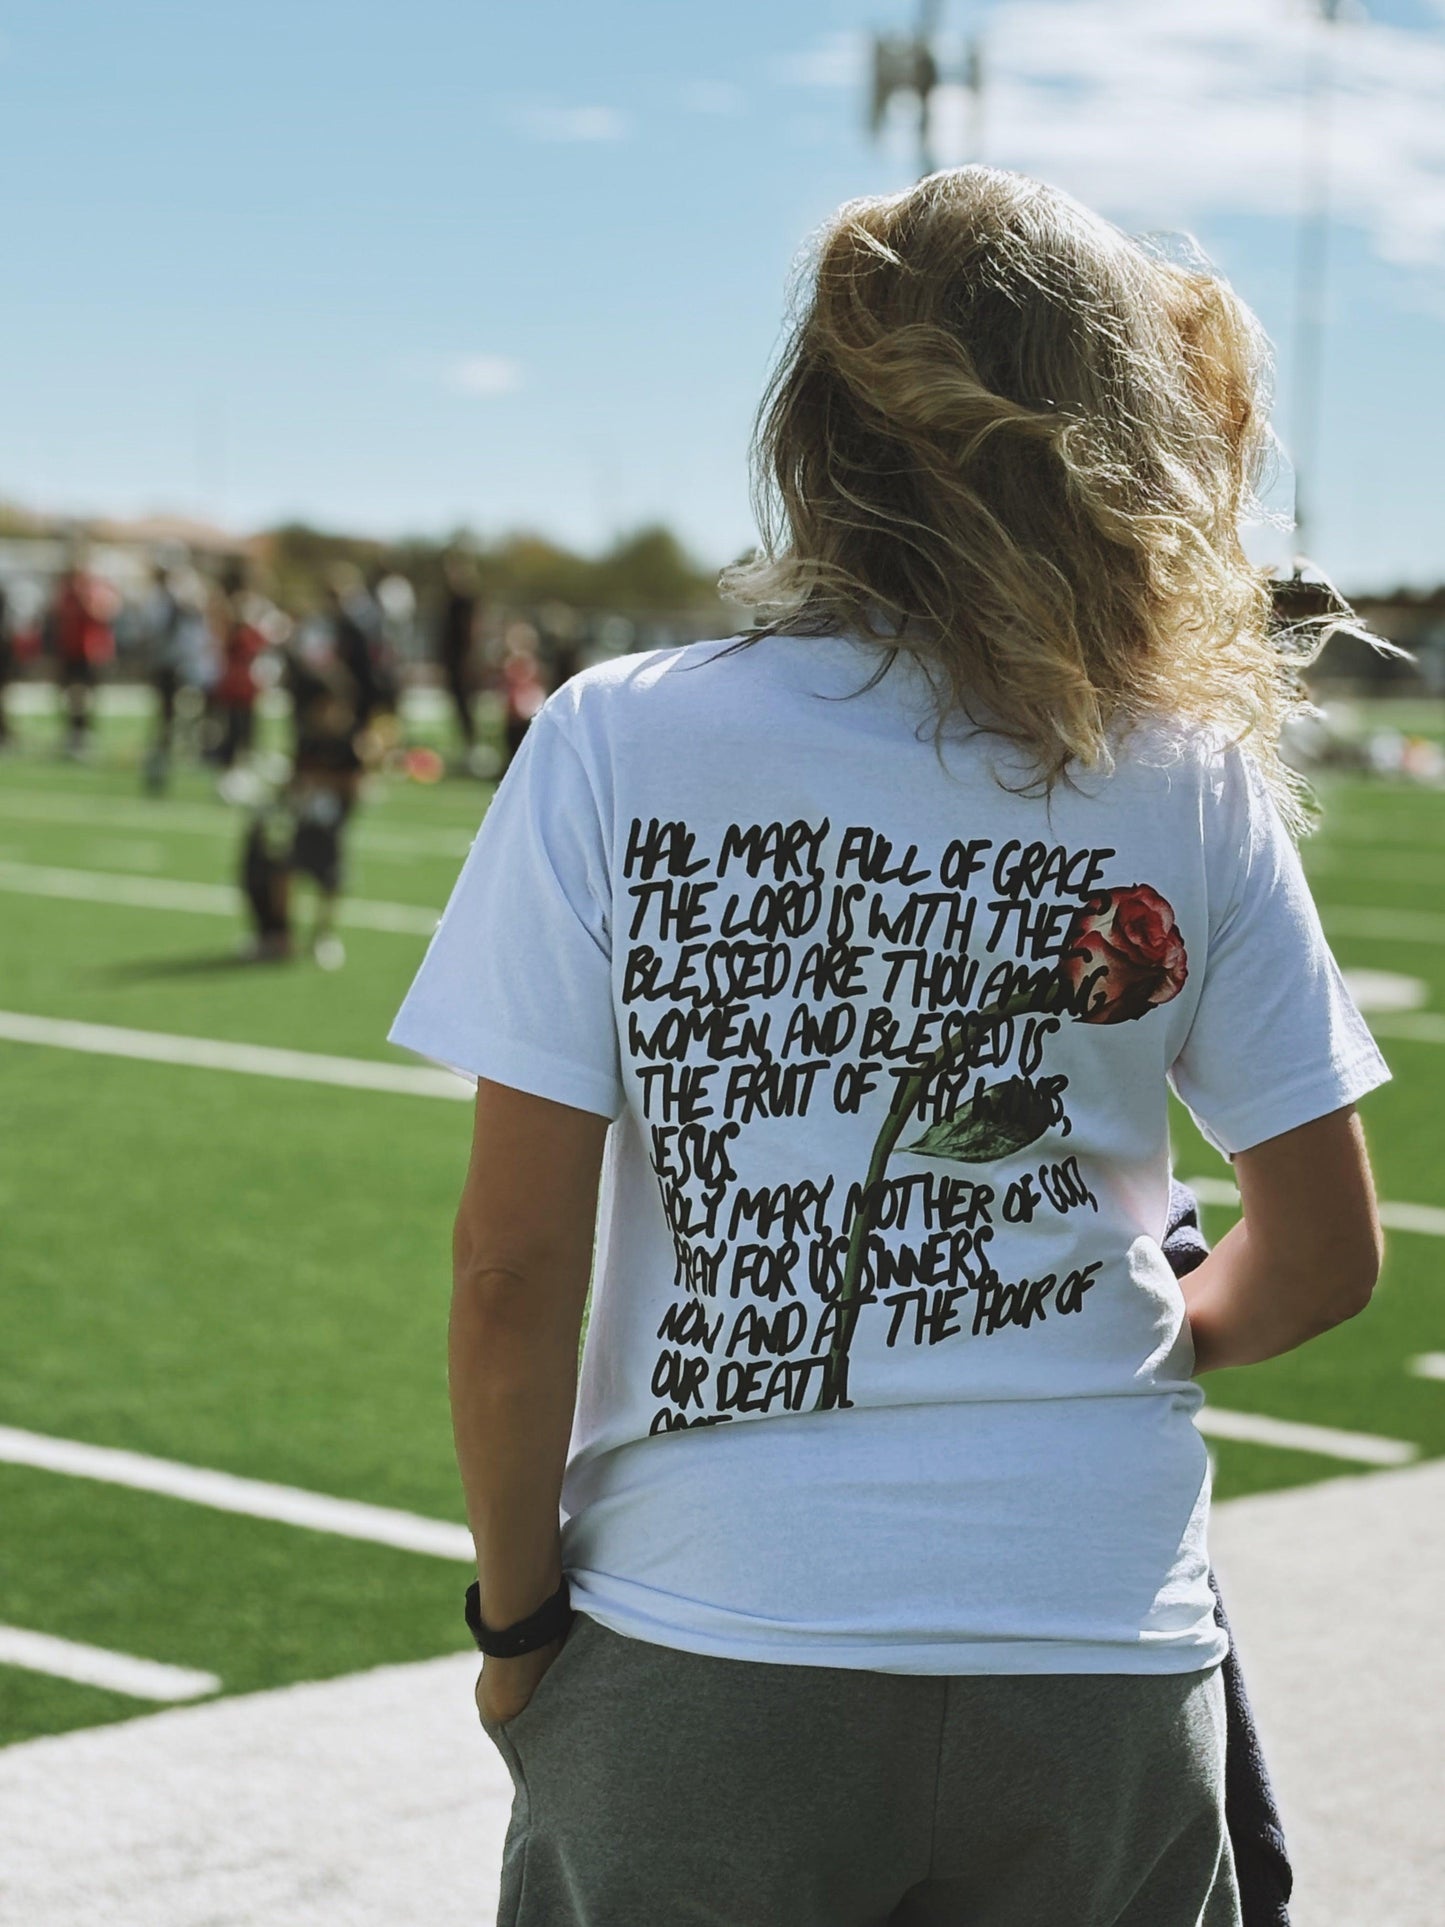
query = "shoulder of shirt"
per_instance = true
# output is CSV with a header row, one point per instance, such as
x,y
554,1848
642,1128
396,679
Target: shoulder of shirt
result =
x,y
594,696
1166,740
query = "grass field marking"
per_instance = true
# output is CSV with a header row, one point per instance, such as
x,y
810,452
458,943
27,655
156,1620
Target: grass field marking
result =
x,y
139,1679
1428,1365
225,820
289,1505
1213,1190
217,1054
1390,926
1426,1219
201,899
1253,1428
1412,1027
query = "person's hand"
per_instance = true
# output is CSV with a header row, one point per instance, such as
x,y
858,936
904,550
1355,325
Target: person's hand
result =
x,y
504,1686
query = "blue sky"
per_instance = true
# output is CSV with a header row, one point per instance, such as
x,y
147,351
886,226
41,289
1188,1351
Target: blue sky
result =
x,y
397,267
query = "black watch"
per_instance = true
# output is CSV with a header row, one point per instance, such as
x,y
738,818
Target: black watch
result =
x,y
549,1622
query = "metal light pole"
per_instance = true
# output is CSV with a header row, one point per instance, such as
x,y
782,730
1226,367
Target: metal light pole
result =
x,y
909,64
1312,269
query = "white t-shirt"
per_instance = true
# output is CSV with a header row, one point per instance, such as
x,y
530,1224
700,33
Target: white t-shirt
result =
x,y
885,1366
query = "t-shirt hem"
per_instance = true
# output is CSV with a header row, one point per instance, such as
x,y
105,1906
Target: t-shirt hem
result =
x,y
935,1658
1287,1108
521,1067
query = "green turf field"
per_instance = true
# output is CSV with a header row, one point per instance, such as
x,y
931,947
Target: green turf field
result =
x,y
251,1275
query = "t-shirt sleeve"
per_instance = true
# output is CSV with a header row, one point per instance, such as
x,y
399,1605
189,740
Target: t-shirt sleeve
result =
x,y
516,984
1276,1039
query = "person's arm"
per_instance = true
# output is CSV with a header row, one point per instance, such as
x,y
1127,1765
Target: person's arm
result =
x,y
522,1256
1305,1255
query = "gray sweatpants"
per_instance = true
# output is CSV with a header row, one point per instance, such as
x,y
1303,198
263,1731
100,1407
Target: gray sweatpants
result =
x,y
657,1788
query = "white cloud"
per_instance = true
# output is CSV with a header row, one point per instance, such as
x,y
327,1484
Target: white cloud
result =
x,y
551,123
482,376
1159,114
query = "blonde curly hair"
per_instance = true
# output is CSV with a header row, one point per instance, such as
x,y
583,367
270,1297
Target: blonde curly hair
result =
x,y
1009,438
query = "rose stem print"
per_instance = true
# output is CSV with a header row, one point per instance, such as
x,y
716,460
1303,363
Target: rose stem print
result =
x,y
1123,955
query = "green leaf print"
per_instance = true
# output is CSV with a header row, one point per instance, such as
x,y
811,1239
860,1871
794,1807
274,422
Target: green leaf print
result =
x,y
998,1120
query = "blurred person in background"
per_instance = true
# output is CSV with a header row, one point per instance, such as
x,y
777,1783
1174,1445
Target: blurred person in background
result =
x,y
159,627
383,728
560,633
82,637
356,637
237,689
300,831
7,663
396,599
178,645
523,688
456,641
385,593
815,1602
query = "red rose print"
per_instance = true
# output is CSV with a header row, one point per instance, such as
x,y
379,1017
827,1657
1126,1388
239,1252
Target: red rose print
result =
x,y
1124,955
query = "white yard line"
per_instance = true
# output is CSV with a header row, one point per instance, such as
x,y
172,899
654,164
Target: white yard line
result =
x,y
1427,1219
224,1492
1253,1428
113,813
217,1054
1413,1026
1428,1365
141,1679
364,1073
410,1532
203,899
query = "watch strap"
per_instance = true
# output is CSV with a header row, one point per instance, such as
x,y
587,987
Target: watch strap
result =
x,y
549,1622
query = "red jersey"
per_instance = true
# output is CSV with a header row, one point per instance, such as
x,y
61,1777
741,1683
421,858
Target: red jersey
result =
x,y
236,686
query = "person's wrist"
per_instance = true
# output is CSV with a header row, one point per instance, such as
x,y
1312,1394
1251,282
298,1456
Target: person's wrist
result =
x,y
504,1601
544,1625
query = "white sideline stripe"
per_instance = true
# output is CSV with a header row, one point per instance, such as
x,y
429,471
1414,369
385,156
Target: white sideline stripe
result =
x,y
1395,926
1255,1429
1212,1190
408,1532
224,1492
203,899
216,1054
1415,1027
1427,1219
111,813
140,1679
1428,1365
